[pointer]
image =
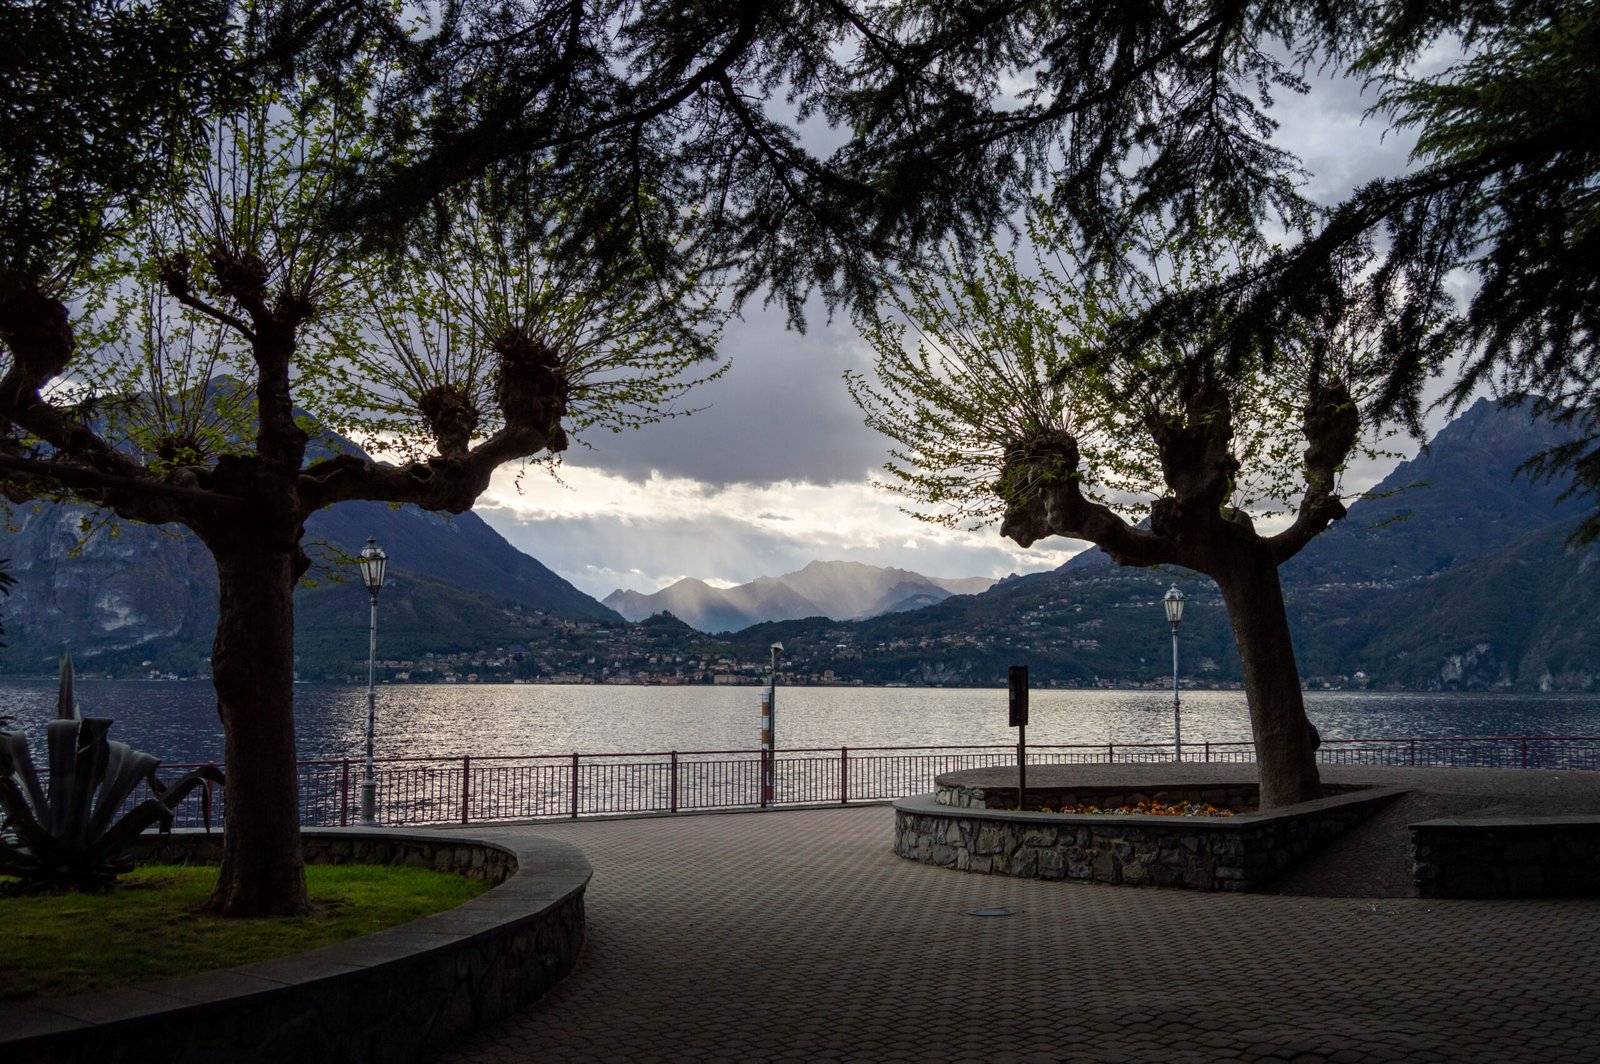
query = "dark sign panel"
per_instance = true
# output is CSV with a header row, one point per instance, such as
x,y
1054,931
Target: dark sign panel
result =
x,y
1019,696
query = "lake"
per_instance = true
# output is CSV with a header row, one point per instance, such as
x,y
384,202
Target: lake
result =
x,y
177,721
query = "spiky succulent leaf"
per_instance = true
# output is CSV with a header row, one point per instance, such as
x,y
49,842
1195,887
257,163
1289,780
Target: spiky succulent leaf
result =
x,y
16,763
125,768
66,695
175,792
71,834
61,746
27,836
88,769
158,809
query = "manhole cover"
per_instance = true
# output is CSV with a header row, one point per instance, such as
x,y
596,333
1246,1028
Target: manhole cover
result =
x,y
993,910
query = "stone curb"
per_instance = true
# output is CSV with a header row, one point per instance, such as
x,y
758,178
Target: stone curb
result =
x,y
1507,856
385,997
1480,823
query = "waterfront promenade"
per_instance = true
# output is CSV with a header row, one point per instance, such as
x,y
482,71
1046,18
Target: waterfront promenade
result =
x,y
798,935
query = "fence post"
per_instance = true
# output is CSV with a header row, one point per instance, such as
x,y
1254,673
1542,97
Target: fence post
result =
x,y
672,786
574,785
1413,752
344,796
844,775
1208,751
1111,753
1524,751
466,781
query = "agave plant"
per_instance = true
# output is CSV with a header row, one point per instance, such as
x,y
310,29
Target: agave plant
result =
x,y
72,835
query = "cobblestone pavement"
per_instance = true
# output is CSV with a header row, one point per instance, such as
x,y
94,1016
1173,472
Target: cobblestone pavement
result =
x,y
798,936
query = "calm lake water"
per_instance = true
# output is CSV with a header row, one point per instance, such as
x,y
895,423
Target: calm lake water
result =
x,y
178,721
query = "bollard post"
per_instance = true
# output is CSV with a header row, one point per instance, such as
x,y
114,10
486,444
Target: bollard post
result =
x,y
672,784
768,750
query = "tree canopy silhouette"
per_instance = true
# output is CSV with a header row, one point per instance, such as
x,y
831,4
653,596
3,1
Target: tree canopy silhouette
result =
x,y
787,148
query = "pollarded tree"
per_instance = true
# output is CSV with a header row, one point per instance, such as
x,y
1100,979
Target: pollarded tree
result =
x,y
1003,408
175,390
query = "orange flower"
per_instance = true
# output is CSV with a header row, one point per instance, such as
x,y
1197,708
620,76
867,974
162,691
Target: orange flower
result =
x,y
1150,809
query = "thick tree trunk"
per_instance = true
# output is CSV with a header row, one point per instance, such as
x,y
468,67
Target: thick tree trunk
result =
x,y
252,665
1284,758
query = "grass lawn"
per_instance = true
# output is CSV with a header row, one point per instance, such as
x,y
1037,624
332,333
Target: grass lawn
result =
x,y
149,927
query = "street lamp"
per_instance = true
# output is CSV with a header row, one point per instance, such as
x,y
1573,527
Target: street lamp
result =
x,y
373,562
1174,604
769,730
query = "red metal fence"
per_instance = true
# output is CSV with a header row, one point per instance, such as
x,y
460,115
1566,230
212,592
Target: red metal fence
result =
x,y
469,789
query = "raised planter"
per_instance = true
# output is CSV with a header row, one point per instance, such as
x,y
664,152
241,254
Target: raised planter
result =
x,y
389,996
955,827
1507,857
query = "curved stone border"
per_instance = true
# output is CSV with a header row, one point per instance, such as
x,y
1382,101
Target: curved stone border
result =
x,y
388,996
1225,853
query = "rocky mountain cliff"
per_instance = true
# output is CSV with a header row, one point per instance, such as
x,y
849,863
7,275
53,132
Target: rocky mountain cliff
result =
x,y
1454,574
1464,580
1460,499
121,592
835,590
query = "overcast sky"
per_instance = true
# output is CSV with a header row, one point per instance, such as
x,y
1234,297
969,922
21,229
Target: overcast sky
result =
x,y
775,469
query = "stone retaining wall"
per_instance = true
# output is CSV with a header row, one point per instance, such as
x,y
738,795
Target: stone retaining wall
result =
x,y
389,996
1507,857
455,854
1223,853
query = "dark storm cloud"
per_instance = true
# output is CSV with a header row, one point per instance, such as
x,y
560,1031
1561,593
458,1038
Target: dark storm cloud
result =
x,y
780,413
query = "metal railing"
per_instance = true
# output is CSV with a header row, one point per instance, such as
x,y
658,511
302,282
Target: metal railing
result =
x,y
471,788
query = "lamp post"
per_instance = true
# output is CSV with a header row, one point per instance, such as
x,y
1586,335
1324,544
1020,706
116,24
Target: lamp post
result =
x,y
373,562
1174,604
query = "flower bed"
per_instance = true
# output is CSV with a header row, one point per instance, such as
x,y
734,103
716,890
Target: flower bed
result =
x,y
1180,808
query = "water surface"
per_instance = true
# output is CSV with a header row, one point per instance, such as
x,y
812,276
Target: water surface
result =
x,y
177,721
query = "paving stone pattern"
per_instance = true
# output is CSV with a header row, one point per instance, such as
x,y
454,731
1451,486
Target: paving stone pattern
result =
x,y
799,936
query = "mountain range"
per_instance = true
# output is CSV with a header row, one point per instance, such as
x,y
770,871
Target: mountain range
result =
x,y
841,591
1454,573
121,594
